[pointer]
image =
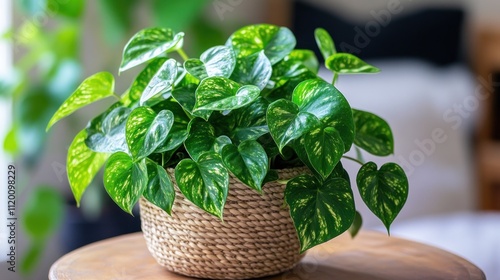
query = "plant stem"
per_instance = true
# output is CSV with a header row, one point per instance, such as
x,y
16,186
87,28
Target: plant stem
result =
x,y
353,159
117,96
162,159
335,77
181,52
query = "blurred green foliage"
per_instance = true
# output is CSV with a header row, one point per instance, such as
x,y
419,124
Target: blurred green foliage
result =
x,y
47,49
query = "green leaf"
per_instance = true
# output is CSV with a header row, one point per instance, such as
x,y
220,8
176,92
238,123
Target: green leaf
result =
x,y
250,121
32,256
162,81
276,42
148,44
286,122
186,96
196,68
96,87
145,130
324,148
141,82
179,131
82,165
220,143
71,9
356,225
255,69
201,138
384,191
307,58
346,63
271,176
160,190
324,42
43,212
125,180
248,162
324,101
10,144
373,134
218,61
106,133
222,94
205,182
320,211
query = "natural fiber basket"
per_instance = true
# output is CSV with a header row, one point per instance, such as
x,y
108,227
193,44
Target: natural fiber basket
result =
x,y
256,238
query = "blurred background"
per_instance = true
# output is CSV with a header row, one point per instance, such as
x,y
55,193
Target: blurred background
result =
x,y
439,90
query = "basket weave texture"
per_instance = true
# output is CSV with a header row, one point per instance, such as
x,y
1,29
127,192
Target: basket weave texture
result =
x,y
257,237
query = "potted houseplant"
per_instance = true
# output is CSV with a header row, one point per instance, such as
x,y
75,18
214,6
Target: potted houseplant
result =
x,y
235,156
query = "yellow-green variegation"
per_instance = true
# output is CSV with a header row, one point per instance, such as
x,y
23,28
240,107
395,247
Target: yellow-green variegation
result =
x,y
246,109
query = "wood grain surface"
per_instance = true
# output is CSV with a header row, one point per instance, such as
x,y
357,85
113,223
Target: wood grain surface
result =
x,y
370,255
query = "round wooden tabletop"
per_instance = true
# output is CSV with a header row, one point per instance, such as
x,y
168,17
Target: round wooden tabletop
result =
x,y
370,255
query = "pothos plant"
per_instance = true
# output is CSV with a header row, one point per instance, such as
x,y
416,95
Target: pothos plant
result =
x,y
247,108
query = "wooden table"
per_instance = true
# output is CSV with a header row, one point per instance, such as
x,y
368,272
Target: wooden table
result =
x,y
370,255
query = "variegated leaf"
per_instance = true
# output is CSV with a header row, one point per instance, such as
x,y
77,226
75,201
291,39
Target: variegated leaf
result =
x,y
324,42
383,190
248,162
201,138
205,182
125,180
324,101
179,130
160,190
148,44
106,134
94,88
324,148
250,121
255,69
286,122
141,82
82,165
320,210
222,94
146,130
346,63
186,96
275,41
373,134
162,81
306,58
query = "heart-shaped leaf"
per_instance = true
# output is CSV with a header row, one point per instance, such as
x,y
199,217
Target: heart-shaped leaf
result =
x,y
324,101
196,67
205,182
276,42
160,190
248,162
94,88
220,143
255,69
250,121
324,148
141,82
149,43
82,165
286,122
201,138
373,134
186,96
346,63
218,61
384,191
307,58
125,180
162,81
222,94
145,130
320,211
324,42
107,134
179,131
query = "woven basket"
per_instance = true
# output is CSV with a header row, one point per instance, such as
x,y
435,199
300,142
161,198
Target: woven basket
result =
x,y
256,239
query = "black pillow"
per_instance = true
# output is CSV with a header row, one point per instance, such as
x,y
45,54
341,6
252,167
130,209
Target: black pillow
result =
x,y
433,34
